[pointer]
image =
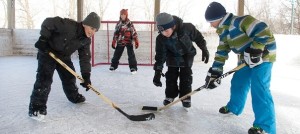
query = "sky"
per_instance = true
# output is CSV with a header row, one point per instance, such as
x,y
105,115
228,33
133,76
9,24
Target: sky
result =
x,y
131,92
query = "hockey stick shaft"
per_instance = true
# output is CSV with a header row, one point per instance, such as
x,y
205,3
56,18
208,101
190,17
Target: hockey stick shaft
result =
x,y
144,117
194,91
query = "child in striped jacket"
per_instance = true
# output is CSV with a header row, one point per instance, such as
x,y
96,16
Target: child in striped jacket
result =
x,y
255,45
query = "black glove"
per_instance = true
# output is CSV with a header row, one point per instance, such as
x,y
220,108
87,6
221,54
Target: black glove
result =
x,y
253,57
156,78
42,44
87,80
211,76
205,55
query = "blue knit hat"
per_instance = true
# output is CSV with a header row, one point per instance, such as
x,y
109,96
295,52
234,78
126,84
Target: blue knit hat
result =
x,y
215,11
164,21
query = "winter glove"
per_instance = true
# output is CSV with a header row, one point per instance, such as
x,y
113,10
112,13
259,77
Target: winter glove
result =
x,y
205,55
137,44
211,76
156,78
42,44
113,44
86,80
253,57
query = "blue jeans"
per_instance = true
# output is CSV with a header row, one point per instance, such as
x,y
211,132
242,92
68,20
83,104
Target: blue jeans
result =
x,y
258,80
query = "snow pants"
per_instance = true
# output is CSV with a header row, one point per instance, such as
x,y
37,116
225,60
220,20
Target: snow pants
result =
x,y
44,78
258,80
118,53
185,81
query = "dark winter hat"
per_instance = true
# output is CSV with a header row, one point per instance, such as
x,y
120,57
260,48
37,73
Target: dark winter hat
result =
x,y
164,21
92,20
215,11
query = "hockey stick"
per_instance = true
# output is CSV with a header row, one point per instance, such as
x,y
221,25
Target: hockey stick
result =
x,y
143,117
193,92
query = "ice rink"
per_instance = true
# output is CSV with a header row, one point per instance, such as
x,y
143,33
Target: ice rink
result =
x,y
130,93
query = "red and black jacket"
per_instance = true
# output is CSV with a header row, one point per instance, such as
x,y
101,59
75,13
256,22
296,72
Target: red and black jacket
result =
x,y
125,32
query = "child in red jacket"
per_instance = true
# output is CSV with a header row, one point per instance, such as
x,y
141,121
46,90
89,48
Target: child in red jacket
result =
x,y
124,34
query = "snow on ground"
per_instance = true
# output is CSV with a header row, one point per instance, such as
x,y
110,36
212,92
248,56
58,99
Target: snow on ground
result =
x,y
130,93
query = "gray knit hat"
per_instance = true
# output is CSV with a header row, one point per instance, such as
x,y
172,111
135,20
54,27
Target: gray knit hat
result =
x,y
164,21
92,20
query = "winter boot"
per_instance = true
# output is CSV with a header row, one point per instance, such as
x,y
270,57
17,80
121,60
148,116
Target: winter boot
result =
x,y
186,103
133,71
224,110
111,68
36,110
256,130
168,101
79,98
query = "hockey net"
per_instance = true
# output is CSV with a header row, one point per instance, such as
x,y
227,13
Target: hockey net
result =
x,y
102,51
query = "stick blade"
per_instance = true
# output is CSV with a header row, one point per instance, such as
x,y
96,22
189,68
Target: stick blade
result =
x,y
150,108
143,117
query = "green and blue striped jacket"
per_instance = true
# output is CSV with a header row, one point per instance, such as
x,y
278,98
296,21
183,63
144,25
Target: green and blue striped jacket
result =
x,y
236,33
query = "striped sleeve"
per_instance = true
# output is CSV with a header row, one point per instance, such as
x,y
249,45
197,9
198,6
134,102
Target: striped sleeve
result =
x,y
221,56
257,30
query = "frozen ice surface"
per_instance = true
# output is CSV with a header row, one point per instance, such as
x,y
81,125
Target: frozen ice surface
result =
x,y
130,93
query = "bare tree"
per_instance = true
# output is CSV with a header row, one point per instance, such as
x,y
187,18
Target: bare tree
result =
x,y
297,17
72,9
68,8
164,5
133,9
103,6
183,8
26,17
278,20
4,4
148,8
284,21
286,16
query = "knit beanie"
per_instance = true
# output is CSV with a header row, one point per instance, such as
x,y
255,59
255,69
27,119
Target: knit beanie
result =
x,y
124,11
164,21
215,11
92,20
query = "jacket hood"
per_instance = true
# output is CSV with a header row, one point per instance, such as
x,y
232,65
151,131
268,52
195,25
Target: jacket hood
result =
x,y
178,22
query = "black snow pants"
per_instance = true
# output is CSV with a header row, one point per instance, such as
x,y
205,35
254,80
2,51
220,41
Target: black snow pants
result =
x,y
44,78
185,81
118,53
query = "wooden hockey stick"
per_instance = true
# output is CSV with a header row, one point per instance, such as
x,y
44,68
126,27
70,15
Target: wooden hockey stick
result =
x,y
193,92
143,117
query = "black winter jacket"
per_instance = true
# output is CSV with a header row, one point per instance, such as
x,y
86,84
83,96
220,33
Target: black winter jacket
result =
x,y
65,36
178,50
